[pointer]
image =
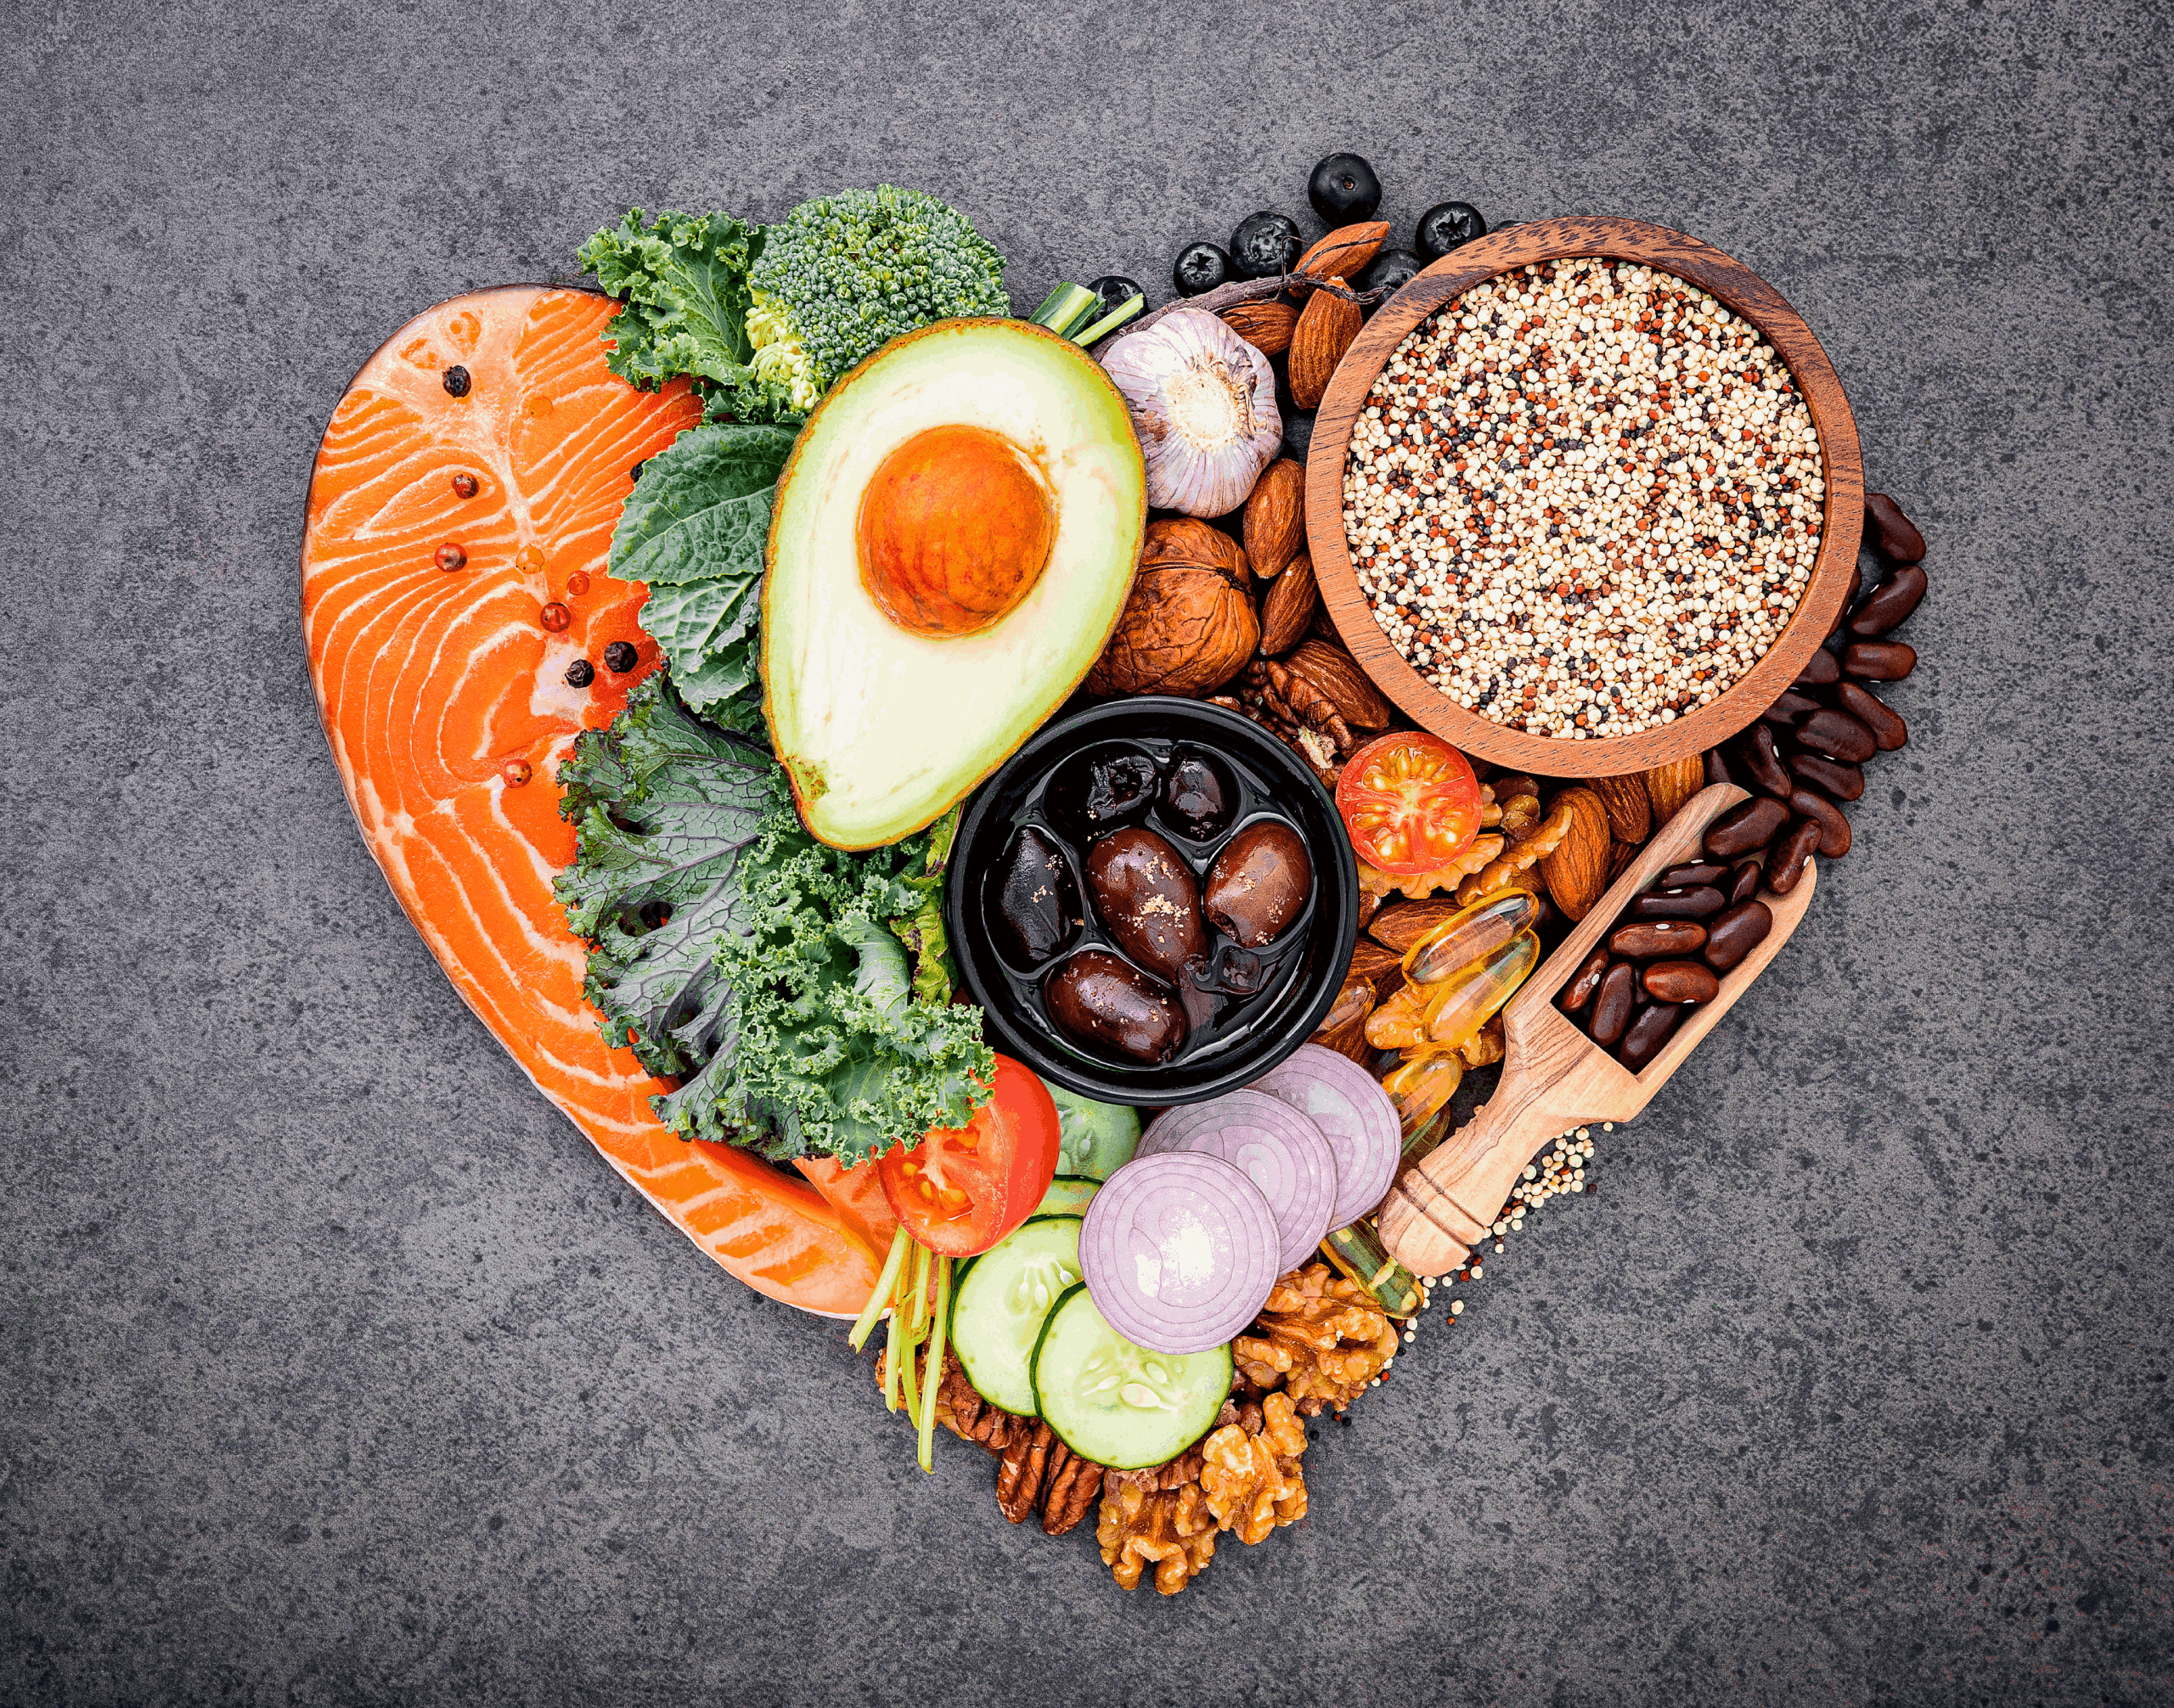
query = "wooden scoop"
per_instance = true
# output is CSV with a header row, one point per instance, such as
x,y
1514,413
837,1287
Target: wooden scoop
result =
x,y
1555,1078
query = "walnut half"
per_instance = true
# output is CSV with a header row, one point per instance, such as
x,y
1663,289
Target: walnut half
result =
x,y
1173,1530
1252,1478
1320,1338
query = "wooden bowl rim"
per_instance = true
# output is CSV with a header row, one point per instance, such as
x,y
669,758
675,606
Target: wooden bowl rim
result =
x,y
1562,239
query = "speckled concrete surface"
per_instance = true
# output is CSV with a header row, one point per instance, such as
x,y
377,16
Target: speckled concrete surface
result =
x,y
338,1368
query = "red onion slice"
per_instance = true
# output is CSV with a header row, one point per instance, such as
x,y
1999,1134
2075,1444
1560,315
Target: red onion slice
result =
x,y
1355,1115
1179,1252
1279,1151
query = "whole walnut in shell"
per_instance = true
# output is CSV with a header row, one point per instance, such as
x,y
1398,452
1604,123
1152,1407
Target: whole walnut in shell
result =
x,y
1189,625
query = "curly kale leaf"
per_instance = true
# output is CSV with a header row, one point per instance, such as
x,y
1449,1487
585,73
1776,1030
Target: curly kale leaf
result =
x,y
663,808
683,288
835,1054
694,530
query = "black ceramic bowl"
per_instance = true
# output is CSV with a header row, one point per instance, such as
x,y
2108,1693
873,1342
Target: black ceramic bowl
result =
x,y
1259,1033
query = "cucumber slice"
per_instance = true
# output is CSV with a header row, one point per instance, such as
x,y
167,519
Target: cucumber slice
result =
x,y
1068,1196
1117,1404
999,1309
1094,1139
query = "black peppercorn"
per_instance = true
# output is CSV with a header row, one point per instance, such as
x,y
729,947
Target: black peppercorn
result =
x,y
465,485
580,673
456,380
620,657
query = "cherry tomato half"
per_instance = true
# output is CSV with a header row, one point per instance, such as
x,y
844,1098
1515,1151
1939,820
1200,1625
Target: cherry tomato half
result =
x,y
960,1190
1409,802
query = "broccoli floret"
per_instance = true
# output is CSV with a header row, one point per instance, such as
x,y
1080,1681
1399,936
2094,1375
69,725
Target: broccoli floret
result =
x,y
843,274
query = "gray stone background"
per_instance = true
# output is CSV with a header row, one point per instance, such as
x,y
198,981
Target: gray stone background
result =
x,y
338,1368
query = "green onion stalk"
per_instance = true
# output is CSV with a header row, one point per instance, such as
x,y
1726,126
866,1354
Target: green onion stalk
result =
x,y
914,1285
1074,311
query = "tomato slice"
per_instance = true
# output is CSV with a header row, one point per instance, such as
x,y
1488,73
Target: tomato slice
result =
x,y
1409,802
960,1190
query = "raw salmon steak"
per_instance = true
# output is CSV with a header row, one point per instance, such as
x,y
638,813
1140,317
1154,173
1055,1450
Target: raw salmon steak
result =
x,y
460,517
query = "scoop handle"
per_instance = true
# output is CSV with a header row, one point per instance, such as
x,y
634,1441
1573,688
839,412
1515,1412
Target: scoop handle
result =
x,y
1444,1204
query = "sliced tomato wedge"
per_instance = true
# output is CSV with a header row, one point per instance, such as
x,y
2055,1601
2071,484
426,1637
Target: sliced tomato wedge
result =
x,y
961,1189
1409,802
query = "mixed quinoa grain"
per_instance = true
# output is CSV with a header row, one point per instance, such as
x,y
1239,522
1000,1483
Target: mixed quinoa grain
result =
x,y
1584,498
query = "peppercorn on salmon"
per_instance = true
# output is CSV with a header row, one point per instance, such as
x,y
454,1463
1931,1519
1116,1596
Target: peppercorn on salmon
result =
x,y
460,516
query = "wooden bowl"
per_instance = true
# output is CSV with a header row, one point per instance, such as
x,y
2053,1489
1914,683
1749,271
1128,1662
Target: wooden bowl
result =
x,y
1741,290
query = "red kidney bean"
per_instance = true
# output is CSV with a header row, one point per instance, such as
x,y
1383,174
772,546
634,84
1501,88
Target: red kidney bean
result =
x,y
1680,981
1892,601
1690,875
1696,902
1837,735
1648,1033
1717,767
1879,660
1894,534
1655,939
1884,722
1744,881
1737,933
1833,827
1611,1006
1749,824
1788,708
1856,582
1762,764
1638,998
1579,990
1820,668
1785,866
1838,782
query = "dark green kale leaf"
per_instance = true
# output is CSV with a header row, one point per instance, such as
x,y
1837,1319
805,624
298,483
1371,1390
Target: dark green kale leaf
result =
x,y
664,807
683,288
694,530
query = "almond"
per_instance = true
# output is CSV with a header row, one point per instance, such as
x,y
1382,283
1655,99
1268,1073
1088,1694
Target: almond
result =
x,y
1370,959
1336,674
1275,518
1347,251
1324,331
1399,926
1288,608
1264,325
1668,786
1576,873
1630,814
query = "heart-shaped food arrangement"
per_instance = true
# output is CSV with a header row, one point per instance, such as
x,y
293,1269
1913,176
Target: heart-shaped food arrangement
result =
x,y
778,681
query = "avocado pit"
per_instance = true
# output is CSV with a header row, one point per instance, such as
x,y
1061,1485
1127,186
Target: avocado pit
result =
x,y
955,528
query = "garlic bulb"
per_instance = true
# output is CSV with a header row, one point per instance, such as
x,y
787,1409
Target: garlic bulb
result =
x,y
1203,404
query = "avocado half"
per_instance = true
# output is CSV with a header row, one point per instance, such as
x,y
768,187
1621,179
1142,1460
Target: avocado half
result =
x,y
882,729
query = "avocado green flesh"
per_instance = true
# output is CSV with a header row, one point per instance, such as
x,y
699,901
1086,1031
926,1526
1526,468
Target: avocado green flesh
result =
x,y
880,730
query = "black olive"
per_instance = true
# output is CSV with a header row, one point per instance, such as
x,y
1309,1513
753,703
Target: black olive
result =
x,y
1394,268
1199,799
580,673
1116,290
1093,793
1033,900
1344,189
620,657
1446,226
455,380
1297,434
1149,899
1265,245
1111,1006
1200,267
1259,883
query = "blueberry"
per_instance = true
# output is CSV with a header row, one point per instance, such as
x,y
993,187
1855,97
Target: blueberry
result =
x,y
1265,245
1116,290
1447,225
1344,189
1200,267
1394,268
